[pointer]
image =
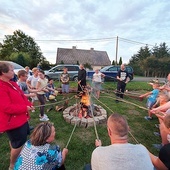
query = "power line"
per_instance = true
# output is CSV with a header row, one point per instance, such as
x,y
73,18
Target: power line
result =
x,y
133,42
92,40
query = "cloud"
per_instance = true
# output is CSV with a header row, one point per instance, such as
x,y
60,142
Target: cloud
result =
x,y
144,21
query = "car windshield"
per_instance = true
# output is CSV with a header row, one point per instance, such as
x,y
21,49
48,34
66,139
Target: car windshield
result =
x,y
105,68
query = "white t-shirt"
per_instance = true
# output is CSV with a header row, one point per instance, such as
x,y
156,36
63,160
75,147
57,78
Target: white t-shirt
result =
x,y
33,80
97,77
121,157
43,84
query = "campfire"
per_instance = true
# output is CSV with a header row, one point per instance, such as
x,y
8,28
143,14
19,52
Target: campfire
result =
x,y
85,113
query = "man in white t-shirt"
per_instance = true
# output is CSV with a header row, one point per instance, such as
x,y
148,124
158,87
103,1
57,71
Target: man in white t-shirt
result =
x,y
120,155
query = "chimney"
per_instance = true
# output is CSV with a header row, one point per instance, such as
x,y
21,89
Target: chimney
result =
x,y
73,47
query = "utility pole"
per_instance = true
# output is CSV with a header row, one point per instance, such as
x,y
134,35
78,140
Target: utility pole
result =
x,y
116,49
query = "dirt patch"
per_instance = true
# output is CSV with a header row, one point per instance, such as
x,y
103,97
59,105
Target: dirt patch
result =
x,y
85,135
133,112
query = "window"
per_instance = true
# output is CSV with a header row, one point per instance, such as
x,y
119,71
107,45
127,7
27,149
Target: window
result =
x,y
112,69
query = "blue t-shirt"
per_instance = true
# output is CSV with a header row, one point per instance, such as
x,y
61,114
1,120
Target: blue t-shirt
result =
x,y
45,157
153,96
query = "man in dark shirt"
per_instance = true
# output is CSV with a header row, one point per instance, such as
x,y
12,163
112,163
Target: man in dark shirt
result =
x,y
81,78
123,78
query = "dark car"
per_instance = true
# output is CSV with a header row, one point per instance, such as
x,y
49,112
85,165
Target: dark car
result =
x,y
56,71
111,72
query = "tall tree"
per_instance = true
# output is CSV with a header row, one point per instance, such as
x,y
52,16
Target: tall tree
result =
x,y
161,51
19,42
113,62
120,61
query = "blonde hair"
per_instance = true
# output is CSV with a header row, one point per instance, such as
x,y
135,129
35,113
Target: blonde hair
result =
x,y
41,133
34,69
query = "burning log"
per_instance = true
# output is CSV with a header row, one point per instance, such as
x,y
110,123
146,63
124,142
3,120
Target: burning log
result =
x,y
62,107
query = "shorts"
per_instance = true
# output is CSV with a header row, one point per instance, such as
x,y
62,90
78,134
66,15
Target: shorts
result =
x,y
150,103
97,85
65,88
18,136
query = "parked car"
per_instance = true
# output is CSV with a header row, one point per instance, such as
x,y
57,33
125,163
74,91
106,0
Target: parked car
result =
x,y
111,72
56,71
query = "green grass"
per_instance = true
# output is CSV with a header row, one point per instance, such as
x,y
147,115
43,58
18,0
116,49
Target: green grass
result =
x,y
82,142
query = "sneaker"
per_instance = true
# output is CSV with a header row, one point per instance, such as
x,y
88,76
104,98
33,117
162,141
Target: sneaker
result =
x,y
157,125
44,116
157,146
148,118
156,133
44,119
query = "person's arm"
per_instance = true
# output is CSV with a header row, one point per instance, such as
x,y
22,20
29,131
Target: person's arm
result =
x,y
103,75
64,154
83,75
157,162
145,95
164,107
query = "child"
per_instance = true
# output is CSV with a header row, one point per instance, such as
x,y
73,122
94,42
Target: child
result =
x,y
65,81
52,93
42,84
152,96
161,100
22,77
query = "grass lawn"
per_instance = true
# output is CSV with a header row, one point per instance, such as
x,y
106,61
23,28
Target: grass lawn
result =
x,y
82,142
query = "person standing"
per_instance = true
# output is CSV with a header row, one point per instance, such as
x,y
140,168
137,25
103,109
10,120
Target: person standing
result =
x,y
65,81
32,82
29,73
81,78
42,84
122,78
97,80
14,111
120,154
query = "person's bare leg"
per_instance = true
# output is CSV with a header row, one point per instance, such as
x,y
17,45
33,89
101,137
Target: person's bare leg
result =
x,y
98,94
164,133
14,155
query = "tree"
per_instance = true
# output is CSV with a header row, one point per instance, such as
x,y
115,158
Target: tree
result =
x,y
161,51
21,58
62,62
137,59
120,61
19,43
113,62
87,65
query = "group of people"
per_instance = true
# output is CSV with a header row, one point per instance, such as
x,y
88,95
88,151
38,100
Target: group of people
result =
x,y
158,104
14,120
39,153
